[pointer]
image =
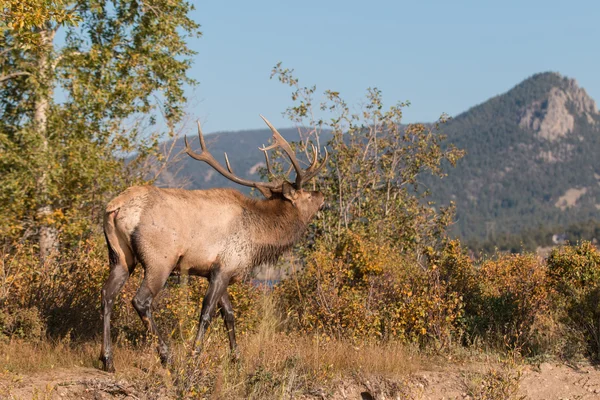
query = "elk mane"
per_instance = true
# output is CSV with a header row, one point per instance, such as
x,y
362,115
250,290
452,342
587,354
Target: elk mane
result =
x,y
275,235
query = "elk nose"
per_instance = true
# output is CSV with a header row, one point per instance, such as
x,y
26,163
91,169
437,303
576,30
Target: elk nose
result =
x,y
324,206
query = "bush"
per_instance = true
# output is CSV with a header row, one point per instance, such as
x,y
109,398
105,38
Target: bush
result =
x,y
497,383
65,291
22,324
362,289
177,308
514,293
506,300
574,273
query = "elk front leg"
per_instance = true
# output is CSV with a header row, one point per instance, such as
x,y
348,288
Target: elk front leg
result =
x,y
227,314
119,274
216,287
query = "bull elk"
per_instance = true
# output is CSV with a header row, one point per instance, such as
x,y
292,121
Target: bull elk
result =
x,y
219,234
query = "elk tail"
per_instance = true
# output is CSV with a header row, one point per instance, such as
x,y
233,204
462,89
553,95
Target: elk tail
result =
x,y
119,251
112,238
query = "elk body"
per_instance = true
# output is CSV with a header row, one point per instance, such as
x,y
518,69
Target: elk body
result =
x,y
219,234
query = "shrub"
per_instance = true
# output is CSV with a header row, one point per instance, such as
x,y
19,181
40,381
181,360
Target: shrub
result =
x,y
512,296
574,273
177,308
507,299
22,324
362,289
65,291
458,271
497,383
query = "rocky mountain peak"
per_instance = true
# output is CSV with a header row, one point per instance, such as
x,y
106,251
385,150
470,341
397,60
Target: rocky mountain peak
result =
x,y
581,101
553,117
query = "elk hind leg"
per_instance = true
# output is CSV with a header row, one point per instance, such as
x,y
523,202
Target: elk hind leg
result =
x,y
121,266
142,302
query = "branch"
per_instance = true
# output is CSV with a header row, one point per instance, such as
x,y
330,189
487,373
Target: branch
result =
x,y
6,51
13,75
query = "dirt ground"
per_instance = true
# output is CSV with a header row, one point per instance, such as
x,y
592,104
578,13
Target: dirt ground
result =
x,y
547,381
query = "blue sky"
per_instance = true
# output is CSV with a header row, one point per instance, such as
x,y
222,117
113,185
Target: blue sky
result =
x,y
442,56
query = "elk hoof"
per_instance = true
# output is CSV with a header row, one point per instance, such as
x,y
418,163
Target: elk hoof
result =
x,y
166,359
235,356
107,364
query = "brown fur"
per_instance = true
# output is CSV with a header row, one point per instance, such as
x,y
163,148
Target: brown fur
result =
x,y
194,229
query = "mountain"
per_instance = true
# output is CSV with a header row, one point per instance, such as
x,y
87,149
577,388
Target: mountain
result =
x,y
532,160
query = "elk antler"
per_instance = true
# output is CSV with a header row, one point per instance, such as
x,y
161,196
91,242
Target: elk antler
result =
x,y
301,175
266,188
314,169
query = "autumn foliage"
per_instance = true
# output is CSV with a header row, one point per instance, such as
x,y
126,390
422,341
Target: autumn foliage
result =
x,y
365,290
574,273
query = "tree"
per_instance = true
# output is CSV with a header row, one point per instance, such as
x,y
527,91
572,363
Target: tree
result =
x,y
370,267
74,110
376,161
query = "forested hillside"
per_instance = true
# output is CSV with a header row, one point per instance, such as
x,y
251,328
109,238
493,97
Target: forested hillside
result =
x,y
532,160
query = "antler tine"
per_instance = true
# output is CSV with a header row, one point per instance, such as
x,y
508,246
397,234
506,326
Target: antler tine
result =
x,y
205,155
307,173
281,142
227,163
200,157
315,155
202,144
267,160
313,170
187,145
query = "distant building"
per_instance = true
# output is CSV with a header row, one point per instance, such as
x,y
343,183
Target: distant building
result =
x,y
559,238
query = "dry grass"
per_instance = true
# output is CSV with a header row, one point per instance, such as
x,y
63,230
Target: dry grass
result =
x,y
273,364
498,381
25,357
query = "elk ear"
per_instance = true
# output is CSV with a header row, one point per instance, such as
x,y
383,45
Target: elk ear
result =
x,y
268,193
289,192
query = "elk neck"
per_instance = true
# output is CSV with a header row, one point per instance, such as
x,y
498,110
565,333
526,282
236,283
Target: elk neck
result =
x,y
275,225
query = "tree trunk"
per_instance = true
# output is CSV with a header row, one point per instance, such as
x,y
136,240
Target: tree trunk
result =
x,y
48,234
